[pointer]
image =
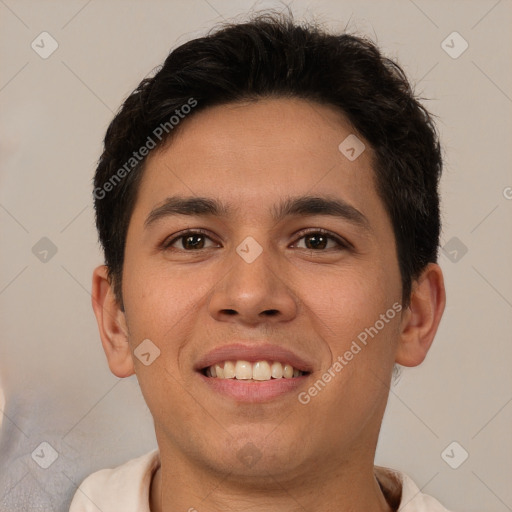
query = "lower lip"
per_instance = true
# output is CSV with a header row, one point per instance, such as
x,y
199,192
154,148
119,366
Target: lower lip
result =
x,y
254,391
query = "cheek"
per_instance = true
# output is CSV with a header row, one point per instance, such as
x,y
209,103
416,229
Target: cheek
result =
x,y
156,297
354,320
357,323
347,299
163,306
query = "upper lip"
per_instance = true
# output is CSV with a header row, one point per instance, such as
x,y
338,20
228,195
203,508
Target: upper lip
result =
x,y
253,353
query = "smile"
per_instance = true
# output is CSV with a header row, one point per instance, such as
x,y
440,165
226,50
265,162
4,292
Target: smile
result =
x,y
257,371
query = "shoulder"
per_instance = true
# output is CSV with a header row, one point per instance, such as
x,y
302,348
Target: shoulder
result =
x,y
403,492
124,487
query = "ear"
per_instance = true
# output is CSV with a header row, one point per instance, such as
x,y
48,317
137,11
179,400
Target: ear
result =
x,y
111,324
421,318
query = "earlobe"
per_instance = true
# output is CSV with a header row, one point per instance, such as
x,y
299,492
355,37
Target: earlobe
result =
x,y
111,324
421,319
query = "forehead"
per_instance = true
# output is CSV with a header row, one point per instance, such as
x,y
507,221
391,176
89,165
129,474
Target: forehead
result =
x,y
252,154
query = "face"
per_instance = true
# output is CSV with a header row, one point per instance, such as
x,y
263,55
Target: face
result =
x,y
266,278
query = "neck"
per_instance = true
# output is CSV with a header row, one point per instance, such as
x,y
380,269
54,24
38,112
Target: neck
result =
x,y
342,486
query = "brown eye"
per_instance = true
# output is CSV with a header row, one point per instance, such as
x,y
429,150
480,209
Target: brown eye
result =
x,y
188,241
319,240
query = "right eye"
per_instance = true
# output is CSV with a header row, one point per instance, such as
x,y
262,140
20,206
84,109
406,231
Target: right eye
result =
x,y
191,240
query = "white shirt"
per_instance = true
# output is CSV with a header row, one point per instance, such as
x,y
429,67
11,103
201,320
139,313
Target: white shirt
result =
x,y
126,488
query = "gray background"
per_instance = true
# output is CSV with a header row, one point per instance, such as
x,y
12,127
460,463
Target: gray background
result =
x,y
54,112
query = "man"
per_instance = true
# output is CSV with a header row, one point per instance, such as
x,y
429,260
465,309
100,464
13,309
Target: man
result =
x,y
268,208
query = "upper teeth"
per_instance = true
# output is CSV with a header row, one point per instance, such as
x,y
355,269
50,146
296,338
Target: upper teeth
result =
x,y
244,370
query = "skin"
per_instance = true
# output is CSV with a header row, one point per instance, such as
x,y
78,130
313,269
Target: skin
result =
x,y
317,456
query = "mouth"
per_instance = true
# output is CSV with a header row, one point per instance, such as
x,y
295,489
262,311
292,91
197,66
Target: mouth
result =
x,y
253,373
258,371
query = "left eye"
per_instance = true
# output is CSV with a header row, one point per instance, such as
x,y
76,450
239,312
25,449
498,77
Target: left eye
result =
x,y
196,240
320,240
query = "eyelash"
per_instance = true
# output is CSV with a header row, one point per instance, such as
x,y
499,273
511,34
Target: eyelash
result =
x,y
342,244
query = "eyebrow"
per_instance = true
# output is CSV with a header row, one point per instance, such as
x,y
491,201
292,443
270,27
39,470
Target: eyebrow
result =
x,y
301,206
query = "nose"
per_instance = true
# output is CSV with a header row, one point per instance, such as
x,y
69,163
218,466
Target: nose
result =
x,y
253,293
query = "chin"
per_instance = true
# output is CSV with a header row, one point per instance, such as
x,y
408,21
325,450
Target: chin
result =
x,y
260,453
